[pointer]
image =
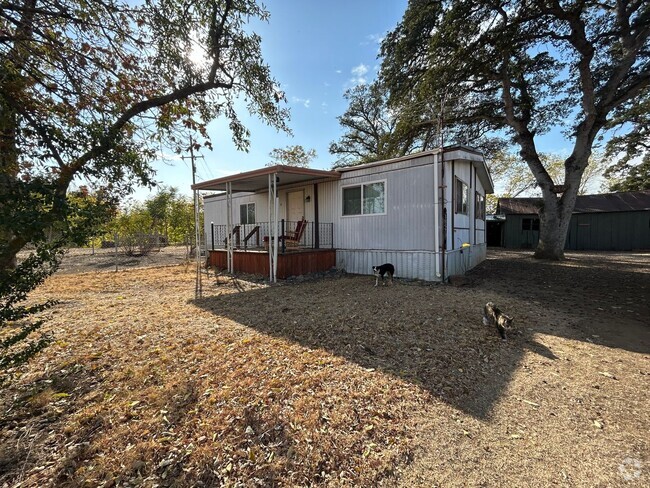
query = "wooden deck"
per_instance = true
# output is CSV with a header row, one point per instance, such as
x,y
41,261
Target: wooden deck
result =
x,y
292,263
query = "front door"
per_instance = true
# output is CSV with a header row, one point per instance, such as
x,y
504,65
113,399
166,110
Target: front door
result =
x,y
295,206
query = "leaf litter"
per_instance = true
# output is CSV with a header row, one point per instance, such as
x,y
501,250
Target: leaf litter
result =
x,y
324,382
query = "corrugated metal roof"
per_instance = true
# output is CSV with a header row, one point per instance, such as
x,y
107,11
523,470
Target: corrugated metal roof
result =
x,y
257,180
607,202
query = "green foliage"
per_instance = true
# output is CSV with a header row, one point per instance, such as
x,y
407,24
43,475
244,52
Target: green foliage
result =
x,y
89,92
292,156
374,130
368,126
92,89
19,335
512,176
164,218
631,172
28,208
630,177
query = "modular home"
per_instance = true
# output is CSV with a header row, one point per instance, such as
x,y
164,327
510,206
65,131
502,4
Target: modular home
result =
x,y
424,213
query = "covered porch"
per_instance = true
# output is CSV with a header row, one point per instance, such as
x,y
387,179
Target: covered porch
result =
x,y
278,246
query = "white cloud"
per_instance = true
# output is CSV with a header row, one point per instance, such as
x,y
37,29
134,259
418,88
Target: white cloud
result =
x,y
374,39
167,156
338,71
360,70
305,101
358,74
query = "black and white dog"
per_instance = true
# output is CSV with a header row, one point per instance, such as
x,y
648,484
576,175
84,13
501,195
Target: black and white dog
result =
x,y
384,269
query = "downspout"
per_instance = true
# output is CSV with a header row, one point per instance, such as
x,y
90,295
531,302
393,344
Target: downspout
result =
x,y
474,209
436,219
444,211
453,204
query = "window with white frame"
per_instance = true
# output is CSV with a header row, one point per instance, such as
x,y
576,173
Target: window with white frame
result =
x,y
479,210
247,213
461,197
366,199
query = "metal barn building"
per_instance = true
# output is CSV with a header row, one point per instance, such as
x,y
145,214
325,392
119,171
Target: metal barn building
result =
x,y
605,222
424,213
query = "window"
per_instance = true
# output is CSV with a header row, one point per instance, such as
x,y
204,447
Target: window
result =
x,y
479,211
366,199
247,213
461,197
530,224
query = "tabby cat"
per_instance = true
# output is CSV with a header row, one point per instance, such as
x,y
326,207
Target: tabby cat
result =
x,y
493,316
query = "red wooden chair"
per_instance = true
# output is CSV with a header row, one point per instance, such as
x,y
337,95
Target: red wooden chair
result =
x,y
293,238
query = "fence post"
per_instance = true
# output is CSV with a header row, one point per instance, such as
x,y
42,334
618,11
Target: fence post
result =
x,y
115,240
212,233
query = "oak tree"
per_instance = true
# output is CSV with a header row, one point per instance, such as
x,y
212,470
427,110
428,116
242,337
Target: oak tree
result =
x,y
524,68
295,155
91,90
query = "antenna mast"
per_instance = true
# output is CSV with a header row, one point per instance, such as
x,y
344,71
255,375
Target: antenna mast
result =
x,y
198,290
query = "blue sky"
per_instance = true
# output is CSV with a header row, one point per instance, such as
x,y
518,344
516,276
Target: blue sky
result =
x,y
316,50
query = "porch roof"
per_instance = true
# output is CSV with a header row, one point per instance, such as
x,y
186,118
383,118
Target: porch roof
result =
x,y
258,179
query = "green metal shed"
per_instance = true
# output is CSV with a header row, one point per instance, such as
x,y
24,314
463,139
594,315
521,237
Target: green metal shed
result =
x,y
605,222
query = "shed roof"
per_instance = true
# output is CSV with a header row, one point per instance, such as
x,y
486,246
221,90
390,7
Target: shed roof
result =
x,y
629,201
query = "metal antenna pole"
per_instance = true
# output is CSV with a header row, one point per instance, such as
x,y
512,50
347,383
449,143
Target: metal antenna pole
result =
x,y
198,291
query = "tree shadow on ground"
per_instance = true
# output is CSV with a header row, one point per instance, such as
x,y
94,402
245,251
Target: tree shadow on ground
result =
x,y
433,336
602,298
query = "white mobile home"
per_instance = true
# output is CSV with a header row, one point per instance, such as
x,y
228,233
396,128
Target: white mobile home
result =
x,y
424,213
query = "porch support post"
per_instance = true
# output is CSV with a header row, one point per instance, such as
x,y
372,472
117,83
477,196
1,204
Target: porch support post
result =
x,y
276,204
270,236
229,226
316,221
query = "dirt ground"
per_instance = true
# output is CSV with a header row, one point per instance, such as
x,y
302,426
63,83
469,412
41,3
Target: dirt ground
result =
x,y
330,381
82,260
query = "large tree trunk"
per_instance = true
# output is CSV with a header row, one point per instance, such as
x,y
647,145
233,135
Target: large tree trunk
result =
x,y
554,225
8,172
11,84
555,215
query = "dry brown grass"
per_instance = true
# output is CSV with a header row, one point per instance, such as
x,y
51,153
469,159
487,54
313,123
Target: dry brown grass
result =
x,y
333,382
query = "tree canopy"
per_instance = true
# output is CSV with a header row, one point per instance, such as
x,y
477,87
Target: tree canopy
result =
x,y
296,156
368,126
512,177
524,68
374,130
91,91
